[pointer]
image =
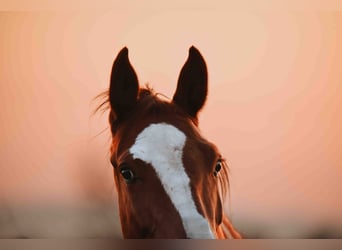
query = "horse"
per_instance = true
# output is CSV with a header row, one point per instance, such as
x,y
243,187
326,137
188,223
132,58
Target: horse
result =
x,y
171,181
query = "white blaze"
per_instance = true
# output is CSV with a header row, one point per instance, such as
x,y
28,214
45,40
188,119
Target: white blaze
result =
x,y
161,145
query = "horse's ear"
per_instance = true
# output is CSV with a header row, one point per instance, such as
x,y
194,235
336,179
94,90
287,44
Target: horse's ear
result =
x,y
124,86
192,86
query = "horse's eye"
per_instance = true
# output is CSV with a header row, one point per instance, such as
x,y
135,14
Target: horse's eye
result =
x,y
127,174
218,167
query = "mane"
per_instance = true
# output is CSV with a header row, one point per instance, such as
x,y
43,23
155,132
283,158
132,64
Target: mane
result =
x,y
142,94
148,102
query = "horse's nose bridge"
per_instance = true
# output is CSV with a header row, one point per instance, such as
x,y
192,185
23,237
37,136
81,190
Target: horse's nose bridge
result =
x,y
194,218
205,205
198,227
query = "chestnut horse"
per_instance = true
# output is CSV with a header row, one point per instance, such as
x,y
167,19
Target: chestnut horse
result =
x,y
170,180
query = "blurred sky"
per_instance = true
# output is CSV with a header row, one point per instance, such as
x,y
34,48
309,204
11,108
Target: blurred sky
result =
x,y
274,104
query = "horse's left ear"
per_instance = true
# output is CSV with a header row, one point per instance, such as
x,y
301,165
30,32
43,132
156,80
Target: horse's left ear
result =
x,y
124,86
192,86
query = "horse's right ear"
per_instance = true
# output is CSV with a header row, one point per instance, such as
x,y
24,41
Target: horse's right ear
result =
x,y
192,86
124,86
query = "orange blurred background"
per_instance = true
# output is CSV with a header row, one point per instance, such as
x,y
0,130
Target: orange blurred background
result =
x,y
274,110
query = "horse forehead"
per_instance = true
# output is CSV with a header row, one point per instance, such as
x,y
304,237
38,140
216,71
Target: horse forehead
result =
x,y
166,140
159,137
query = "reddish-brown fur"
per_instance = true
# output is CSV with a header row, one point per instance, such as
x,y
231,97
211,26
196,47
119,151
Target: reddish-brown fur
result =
x,y
145,209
